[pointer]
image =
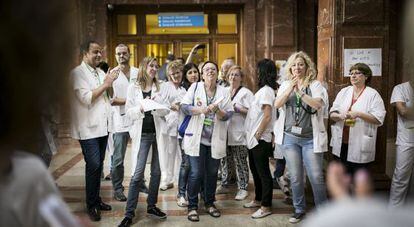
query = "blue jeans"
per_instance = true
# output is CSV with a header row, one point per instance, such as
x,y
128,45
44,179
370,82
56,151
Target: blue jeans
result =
x,y
202,167
93,151
117,164
183,175
147,139
298,152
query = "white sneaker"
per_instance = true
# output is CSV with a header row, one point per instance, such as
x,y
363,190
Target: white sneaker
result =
x,y
165,187
241,195
261,213
222,190
251,204
181,202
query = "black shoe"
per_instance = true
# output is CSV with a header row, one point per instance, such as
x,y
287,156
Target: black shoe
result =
x,y
105,207
94,214
125,222
143,188
156,213
120,196
108,177
296,217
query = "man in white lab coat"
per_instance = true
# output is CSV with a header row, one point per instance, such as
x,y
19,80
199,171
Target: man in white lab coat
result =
x,y
127,75
90,114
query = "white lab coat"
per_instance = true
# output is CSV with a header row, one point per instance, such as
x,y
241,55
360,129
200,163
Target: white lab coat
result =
x,y
89,119
236,130
192,136
170,95
120,121
133,112
320,136
362,136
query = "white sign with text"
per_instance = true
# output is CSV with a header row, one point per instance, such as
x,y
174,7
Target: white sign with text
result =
x,y
371,57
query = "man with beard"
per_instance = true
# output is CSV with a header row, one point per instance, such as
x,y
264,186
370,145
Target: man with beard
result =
x,y
127,75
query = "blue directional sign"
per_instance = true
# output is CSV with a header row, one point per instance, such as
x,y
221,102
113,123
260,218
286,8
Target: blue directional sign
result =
x,y
171,20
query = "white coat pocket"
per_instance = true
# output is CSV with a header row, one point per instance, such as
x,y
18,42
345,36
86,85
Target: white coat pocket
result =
x,y
367,144
336,138
92,119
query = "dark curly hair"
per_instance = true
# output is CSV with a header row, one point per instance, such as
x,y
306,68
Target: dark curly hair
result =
x,y
267,73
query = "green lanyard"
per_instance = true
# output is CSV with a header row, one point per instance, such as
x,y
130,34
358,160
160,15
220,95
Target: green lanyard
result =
x,y
297,109
214,95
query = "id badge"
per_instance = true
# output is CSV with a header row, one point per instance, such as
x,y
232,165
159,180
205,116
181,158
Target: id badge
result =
x,y
208,121
296,130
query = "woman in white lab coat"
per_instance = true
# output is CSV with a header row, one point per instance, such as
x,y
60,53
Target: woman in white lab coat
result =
x,y
358,110
205,137
172,94
143,134
300,130
241,98
190,75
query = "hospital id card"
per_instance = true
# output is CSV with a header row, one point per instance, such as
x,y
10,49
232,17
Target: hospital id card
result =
x,y
296,130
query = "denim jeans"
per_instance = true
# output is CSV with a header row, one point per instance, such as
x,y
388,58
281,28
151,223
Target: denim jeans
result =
x,y
298,152
147,139
117,165
93,151
203,166
184,170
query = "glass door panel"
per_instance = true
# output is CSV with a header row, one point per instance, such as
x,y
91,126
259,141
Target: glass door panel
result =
x,y
160,51
226,50
201,56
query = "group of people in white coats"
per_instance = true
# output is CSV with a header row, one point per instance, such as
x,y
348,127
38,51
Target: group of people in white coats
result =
x,y
214,120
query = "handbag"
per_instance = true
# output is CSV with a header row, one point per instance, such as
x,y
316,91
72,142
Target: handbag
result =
x,y
187,118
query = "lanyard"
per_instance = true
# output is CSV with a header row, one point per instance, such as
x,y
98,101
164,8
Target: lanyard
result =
x,y
214,95
353,101
297,108
99,83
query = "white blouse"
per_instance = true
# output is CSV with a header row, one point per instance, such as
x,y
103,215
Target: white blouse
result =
x,y
264,96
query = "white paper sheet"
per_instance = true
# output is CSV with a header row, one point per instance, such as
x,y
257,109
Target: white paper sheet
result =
x,y
149,104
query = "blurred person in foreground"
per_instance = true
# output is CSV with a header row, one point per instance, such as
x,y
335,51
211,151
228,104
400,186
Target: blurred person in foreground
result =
x,y
36,29
362,210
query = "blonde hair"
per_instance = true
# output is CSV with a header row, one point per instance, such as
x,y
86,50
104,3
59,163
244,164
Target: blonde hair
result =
x,y
236,67
143,78
310,74
176,64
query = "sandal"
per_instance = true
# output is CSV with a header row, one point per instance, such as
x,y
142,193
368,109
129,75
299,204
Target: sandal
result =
x,y
213,211
193,216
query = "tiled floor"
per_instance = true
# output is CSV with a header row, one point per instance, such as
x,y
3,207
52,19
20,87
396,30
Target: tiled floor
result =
x,y
68,169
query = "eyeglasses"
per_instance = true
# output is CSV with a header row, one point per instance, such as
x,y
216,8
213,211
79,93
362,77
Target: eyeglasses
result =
x,y
209,69
355,73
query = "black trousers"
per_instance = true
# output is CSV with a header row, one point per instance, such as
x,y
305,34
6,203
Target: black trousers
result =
x,y
351,167
259,165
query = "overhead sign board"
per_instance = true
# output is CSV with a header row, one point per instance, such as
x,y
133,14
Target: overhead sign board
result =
x,y
171,20
372,57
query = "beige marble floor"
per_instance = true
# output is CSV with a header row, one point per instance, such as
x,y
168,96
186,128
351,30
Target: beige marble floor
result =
x,y
68,169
